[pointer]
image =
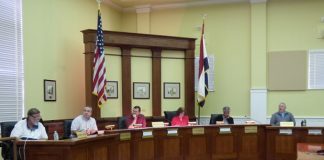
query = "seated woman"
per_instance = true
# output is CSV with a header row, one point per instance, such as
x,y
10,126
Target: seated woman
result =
x,y
180,119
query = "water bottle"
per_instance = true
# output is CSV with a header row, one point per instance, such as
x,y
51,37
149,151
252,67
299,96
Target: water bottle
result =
x,y
305,124
56,136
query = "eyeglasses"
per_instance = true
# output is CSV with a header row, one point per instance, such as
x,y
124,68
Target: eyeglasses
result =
x,y
36,117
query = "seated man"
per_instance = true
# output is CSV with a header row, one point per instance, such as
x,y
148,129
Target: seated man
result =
x,y
225,117
282,116
136,120
84,123
30,128
181,119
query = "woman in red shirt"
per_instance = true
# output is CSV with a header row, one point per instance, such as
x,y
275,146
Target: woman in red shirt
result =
x,y
180,119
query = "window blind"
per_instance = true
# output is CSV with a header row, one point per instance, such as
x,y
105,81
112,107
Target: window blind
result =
x,y
316,69
11,61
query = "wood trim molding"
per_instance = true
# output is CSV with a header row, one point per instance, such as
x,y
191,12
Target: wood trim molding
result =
x,y
156,43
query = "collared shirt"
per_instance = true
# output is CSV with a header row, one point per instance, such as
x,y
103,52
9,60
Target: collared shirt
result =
x,y
21,130
281,117
140,120
176,121
80,124
225,120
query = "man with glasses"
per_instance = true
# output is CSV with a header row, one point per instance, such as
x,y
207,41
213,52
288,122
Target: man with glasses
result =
x,y
30,128
85,123
136,120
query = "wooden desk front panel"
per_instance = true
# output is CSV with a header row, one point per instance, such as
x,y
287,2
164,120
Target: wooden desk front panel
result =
x,y
284,147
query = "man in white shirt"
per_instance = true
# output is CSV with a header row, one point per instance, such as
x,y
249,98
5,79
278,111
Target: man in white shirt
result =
x,y
85,123
30,128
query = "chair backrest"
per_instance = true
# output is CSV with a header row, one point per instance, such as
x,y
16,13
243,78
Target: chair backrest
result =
x,y
6,147
168,115
213,118
6,128
122,122
67,129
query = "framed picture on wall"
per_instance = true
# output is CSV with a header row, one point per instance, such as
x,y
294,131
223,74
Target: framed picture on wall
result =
x,y
112,89
141,90
49,90
171,90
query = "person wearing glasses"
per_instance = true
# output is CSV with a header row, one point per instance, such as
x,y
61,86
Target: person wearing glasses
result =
x,y
30,128
136,120
84,123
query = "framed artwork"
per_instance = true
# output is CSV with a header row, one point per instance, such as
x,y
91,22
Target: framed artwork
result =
x,y
171,90
141,90
49,90
112,89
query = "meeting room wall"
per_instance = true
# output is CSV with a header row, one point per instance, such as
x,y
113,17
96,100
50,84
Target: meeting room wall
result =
x,y
112,107
53,47
227,30
172,71
292,25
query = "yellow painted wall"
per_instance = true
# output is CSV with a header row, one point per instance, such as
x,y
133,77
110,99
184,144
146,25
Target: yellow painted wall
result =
x,y
53,47
292,25
114,73
228,39
142,72
172,70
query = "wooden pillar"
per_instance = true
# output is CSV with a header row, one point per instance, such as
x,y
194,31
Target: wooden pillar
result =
x,y
126,80
190,82
156,82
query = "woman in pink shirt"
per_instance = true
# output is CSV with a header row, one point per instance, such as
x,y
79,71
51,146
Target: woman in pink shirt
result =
x,y
180,119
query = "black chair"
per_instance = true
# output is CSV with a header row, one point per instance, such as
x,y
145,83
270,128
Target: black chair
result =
x,y
122,122
213,118
168,115
67,129
6,147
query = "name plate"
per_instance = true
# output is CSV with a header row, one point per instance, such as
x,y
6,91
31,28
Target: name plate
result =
x,y
251,129
314,132
124,136
198,131
224,130
147,134
286,124
157,124
285,131
173,132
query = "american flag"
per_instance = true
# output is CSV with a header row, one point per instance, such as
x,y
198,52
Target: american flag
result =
x,y
203,68
99,68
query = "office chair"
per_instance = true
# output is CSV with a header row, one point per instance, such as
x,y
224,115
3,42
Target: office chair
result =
x,y
6,147
213,118
121,121
67,129
168,115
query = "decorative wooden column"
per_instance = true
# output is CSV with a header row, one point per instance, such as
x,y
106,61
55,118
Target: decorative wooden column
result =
x,y
190,82
126,80
156,43
156,81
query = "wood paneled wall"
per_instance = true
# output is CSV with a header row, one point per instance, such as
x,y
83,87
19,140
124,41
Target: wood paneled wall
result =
x,y
156,43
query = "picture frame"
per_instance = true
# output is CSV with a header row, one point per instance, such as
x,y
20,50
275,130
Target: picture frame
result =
x,y
112,89
141,90
49,90
171,90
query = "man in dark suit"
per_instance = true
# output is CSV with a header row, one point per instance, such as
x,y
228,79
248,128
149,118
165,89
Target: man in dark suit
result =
x,y
225,117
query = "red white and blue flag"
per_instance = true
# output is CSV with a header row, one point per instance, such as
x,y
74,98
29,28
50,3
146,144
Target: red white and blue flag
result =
x,y
99,68
202,74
